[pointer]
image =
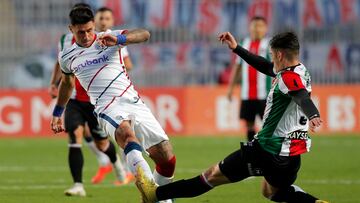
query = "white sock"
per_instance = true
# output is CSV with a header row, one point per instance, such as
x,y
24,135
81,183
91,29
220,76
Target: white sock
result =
x,y
135,159
162,180
119,170
123,161
102,158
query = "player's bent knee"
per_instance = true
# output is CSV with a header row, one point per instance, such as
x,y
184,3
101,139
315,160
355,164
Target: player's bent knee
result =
x,y
102,144
124,134
76,135
214,177
267,191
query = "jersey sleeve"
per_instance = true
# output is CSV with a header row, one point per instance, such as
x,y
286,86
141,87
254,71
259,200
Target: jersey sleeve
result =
x,y
290,81
124,52
62,64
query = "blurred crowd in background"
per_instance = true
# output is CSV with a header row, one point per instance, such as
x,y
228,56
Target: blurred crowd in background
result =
x,y
183,49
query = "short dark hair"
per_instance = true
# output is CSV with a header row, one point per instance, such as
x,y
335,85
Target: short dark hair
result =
x,y
260,18
81,15
80,5
288,42
103,9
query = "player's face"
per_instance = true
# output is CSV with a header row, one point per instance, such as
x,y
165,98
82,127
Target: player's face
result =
x,y
84,33
104,21
258,29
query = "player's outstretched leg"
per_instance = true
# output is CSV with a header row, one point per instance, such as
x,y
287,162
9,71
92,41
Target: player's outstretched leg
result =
x,y
182,188
291,194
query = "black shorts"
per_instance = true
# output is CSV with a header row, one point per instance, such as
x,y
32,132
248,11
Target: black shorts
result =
x,y
79,113
250,108
252,160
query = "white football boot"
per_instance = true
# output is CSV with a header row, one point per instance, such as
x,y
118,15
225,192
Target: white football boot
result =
x,y
76,190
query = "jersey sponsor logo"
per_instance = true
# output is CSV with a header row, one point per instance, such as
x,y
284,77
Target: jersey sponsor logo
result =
x,y
102,59
298,135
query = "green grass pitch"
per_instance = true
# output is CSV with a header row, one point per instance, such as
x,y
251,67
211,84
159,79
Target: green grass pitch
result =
x,y
35,171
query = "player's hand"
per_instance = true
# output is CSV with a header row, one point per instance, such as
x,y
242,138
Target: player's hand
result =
x,y
227,38
57,125
53,91
107,40
315,123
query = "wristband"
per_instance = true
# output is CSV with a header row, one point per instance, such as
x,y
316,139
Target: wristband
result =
x,y
58,110
121,39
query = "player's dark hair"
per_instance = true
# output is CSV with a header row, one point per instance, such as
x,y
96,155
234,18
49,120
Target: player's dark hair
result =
x,y
78,5
81,15
287,42
258,18
103,9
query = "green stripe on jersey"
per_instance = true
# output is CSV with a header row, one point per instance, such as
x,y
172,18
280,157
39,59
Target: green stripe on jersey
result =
x,y
62,41
270,142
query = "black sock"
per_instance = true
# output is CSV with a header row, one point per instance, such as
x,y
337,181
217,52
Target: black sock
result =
x,y
250,134
111,152
291,196
88,139
76,163
183,188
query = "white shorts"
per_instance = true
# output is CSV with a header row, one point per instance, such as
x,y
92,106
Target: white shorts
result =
x,y
147,129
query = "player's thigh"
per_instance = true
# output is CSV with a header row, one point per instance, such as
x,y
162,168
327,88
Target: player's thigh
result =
x,y
248,111
118,124
235,166
147,129
267,189
74,121
280,171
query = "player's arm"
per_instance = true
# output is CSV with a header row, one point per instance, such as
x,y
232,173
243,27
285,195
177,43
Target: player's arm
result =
x,y
55,79
301,96
235,72
128,63
258,62
127,60
126,38
65,89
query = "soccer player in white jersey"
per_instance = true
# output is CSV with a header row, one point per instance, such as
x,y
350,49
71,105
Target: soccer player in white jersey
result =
x,y
275,151
80,122
95,59
254,85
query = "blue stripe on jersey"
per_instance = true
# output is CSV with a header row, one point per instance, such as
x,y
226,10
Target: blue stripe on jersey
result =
x,y
108,119
108,86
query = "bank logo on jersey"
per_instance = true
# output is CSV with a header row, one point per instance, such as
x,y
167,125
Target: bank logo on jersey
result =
x,y
96,61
